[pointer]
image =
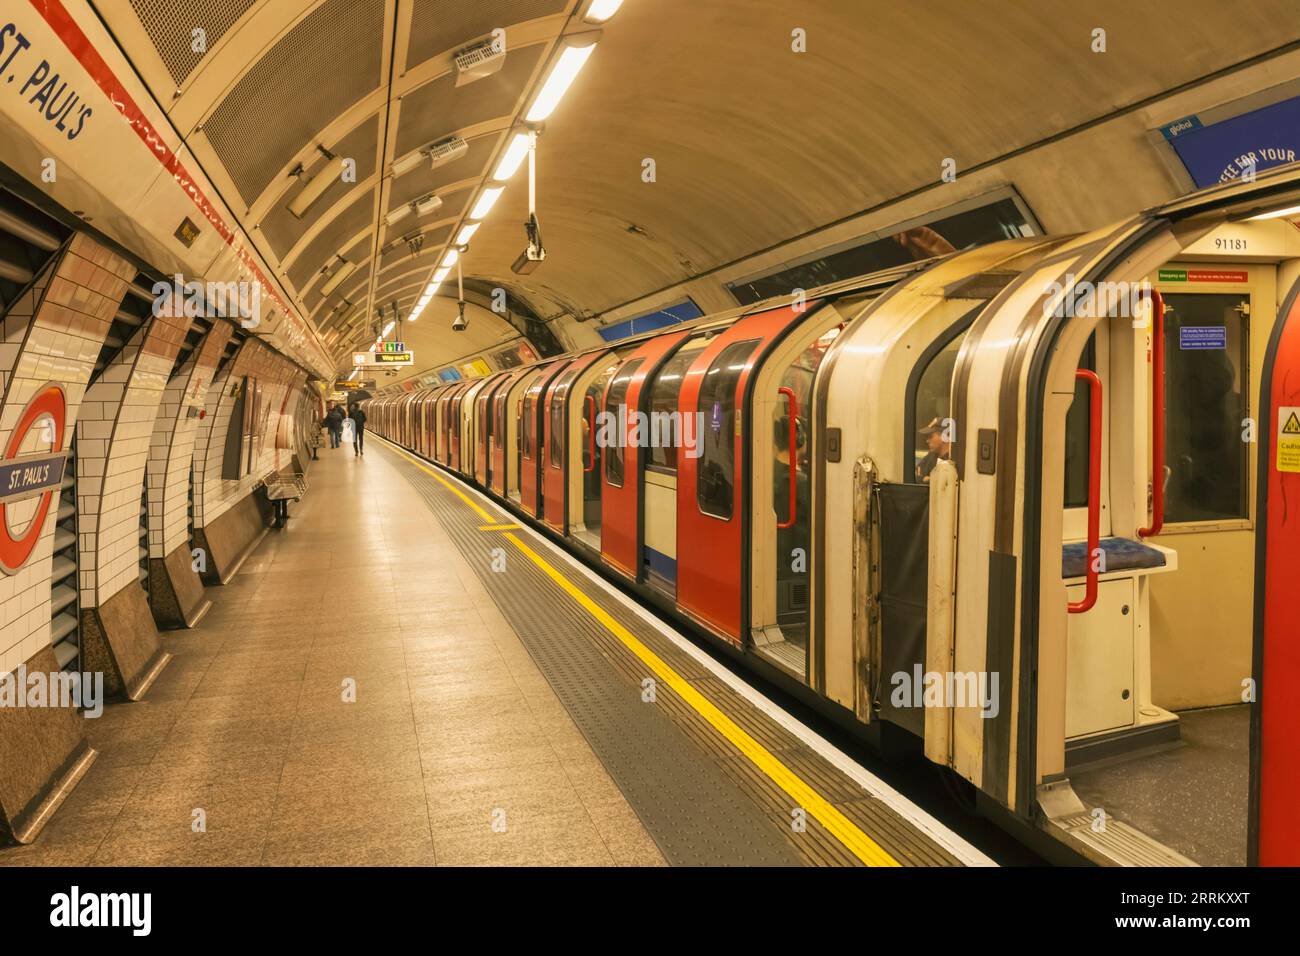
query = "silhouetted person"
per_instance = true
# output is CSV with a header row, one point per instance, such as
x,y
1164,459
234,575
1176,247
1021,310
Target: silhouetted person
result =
x,y
940,450
334,422
358,429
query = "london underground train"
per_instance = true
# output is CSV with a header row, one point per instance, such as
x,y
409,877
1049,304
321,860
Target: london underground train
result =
x,y
978,502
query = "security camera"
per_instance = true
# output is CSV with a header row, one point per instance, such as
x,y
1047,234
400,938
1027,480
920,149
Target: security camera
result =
x,y
459,324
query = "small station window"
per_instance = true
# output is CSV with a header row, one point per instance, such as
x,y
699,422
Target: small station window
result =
x,y
615,397
1207,338
715,475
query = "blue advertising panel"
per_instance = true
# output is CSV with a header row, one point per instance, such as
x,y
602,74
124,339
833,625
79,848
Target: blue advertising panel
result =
x,y
449,375
1220,152
682,311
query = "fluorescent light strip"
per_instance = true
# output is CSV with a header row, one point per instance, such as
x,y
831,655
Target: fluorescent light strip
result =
x,y
450,258
514,156
562,75
486,202
1277,214
467,233
602,10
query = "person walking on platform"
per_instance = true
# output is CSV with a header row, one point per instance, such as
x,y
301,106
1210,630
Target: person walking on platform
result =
x,y
334,422
358,429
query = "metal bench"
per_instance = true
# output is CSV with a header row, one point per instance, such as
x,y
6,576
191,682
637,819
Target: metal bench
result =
x,y
280,490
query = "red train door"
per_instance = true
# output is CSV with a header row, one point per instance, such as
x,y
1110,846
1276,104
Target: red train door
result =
x,y
620,504
712,471
555,453
531,448
482,427
1274,831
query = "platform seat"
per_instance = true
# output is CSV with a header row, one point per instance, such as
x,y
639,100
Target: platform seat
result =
x,y
1122,554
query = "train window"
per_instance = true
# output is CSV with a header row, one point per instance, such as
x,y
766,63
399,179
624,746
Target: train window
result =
x,y
715,474
932,417
664,390
615,396
559,397
1078,424
530,425
1206,365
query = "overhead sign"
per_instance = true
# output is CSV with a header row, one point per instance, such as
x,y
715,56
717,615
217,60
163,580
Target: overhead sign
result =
x,y
362,359
1224,151
27,475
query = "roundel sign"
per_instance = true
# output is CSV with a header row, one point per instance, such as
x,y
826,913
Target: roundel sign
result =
x,y
31,474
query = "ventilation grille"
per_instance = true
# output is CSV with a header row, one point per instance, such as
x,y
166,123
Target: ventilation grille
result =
x,y
320,68
172,32
439,26
414,185
65,605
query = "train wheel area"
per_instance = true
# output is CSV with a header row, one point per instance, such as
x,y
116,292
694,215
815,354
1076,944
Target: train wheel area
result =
x,y
656,436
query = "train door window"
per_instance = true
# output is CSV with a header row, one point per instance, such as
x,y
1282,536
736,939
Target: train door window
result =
x,y
664,391
529,427
931,419
1078,425
592,451
559,399
792,545
615,397
716,471
1207,338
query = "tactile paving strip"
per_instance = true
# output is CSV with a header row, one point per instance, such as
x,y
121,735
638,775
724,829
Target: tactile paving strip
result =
x,y
700,800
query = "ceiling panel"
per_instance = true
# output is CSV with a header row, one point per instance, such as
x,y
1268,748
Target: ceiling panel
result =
x,y
324,247
282,228
311,76
440,107
440,26
172,31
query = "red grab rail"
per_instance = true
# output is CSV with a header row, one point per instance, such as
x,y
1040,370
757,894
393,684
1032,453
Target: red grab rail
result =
x,y
1157,416
792,447
1094,491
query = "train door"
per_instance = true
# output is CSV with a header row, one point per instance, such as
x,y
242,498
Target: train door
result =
x,y
532,443
469,428
587,443
514,433
452,425
713,470
483,422
622,495
500,432
1273,834
782,414
557,440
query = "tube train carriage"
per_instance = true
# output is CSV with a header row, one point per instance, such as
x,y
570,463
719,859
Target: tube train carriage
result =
x,y
864,505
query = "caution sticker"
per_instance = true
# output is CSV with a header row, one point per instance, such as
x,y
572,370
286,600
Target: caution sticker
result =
x,y
1288,438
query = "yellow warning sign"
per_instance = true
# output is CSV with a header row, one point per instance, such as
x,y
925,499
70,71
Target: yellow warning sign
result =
x,y
1288,438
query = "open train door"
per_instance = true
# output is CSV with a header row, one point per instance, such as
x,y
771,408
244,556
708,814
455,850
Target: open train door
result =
x,y
1274,829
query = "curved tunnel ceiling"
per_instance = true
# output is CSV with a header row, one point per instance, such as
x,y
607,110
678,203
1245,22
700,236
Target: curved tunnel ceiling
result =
x,y
752,142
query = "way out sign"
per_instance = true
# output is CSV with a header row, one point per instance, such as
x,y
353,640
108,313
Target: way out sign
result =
x,y
1288,438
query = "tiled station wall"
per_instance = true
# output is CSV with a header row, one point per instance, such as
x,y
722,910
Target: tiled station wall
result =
x,y
133,417
52,334
172,445
213,495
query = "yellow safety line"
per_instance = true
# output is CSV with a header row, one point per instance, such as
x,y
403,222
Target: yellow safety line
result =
x,y
841,827
497,527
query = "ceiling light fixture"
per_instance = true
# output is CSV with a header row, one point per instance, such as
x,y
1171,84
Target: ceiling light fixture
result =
x,y
467,233
485,202
513,157
314,186
341,272
566,69
598,11
1277,214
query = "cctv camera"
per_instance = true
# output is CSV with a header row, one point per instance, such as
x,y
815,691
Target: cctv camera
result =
x,y
459,324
